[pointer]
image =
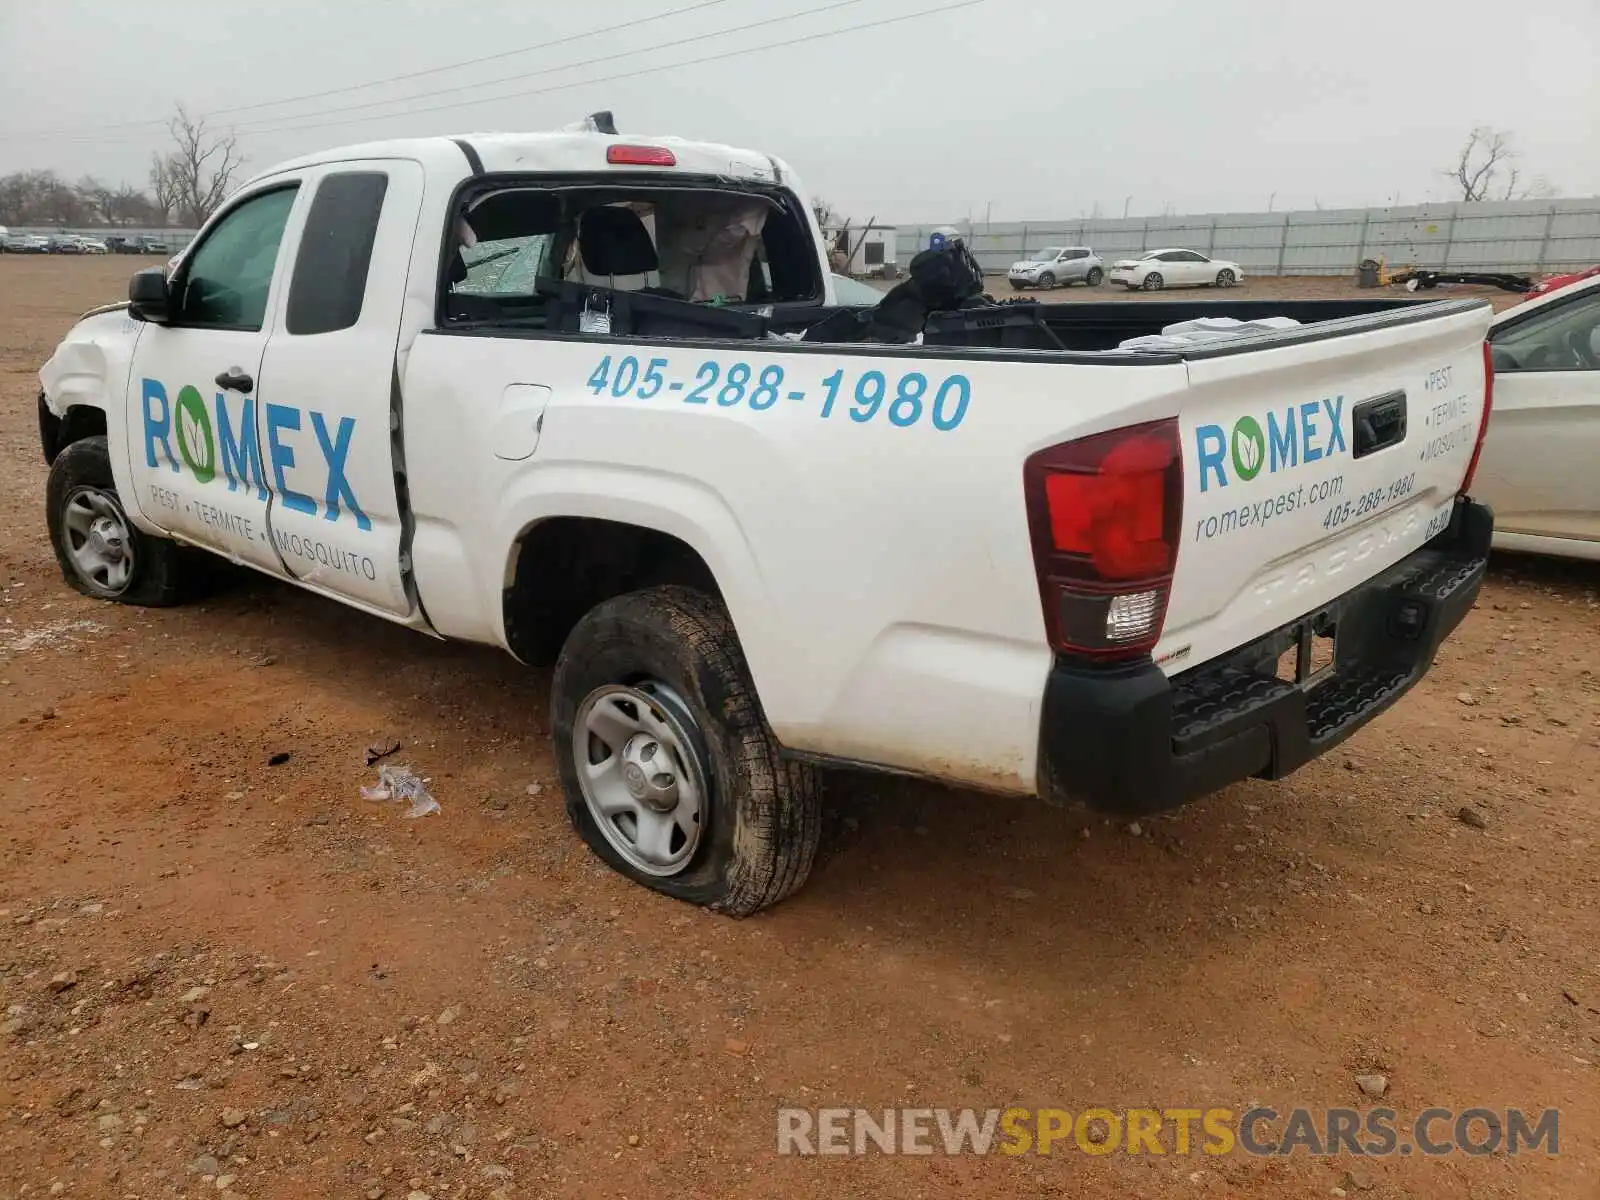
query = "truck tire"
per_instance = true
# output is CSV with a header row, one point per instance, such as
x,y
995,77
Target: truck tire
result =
x,y
671,773
100,552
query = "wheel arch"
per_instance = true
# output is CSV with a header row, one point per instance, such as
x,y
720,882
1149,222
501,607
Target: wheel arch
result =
x,y
562,563
75,423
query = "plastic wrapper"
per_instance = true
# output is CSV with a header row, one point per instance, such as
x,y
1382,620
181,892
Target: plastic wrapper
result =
x,y
401,783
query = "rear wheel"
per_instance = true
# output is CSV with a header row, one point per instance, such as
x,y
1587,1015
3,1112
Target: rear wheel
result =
x,y
1047,281
1153,282
1094,277
1226,278
671,773
100,552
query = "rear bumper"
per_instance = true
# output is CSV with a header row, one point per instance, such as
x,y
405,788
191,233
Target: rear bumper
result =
x,y
1130,740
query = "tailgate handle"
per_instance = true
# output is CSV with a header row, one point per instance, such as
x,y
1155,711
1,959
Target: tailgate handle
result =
x,y
1379,423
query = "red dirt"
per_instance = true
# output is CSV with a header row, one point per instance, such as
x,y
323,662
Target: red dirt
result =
x,y
471,1005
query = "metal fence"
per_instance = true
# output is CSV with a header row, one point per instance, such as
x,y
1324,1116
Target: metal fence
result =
x,y
1534,236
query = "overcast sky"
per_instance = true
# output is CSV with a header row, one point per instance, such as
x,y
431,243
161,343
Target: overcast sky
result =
x,y
1038,108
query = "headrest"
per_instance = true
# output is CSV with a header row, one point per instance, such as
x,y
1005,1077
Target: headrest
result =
x,y
614,241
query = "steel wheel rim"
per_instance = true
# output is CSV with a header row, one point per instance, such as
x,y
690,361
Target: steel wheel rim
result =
x,y
99,541
640,772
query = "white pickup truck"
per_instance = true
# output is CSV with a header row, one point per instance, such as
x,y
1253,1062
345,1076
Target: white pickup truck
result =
x,y
545,392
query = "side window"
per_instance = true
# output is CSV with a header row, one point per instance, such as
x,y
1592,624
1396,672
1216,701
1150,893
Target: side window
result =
x,y
330,268
224,283
1563,337
1077,254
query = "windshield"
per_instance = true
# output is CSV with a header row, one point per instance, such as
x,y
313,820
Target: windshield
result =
x,y
1048,254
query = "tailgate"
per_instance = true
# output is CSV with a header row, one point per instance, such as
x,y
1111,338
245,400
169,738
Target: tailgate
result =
x,y
1314,462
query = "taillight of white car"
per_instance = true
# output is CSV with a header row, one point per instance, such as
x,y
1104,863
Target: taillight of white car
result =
x,y
1483,423
1104,513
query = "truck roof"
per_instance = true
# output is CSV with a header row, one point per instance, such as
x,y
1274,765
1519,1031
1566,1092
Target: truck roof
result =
x,y
554,152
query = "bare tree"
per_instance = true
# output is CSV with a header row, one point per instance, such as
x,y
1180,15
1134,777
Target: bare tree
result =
x,y
1487,169
164,188
194,177
826,214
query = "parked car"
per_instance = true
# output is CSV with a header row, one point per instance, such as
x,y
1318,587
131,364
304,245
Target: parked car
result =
x,y
150,244
118,243
1175,268
1540,469
750,556
27,243
1551,282
1057,264
64,243
93,246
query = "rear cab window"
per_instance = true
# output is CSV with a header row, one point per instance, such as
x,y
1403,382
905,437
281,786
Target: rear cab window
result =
x,y
517,245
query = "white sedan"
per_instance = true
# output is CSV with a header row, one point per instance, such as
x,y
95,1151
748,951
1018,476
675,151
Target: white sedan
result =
x,y
1540,467
1175,268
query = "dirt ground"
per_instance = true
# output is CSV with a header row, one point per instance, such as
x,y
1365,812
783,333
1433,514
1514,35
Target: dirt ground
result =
x,y
222,975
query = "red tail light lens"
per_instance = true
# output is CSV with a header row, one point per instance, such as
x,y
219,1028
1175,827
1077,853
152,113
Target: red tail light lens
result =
x,y
641,156
1104,513
1483,425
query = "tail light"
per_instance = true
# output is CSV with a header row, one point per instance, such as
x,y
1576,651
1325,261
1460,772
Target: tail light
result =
x,y
1104,513
641,156
1483,424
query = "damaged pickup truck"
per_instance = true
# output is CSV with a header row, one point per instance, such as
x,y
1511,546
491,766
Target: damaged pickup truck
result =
x,y
591,399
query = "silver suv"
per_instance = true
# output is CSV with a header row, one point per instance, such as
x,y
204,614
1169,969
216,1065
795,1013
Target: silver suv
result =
x,y
1058,264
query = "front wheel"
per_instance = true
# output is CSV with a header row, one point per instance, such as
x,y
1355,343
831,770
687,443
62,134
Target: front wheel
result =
x,y
1047,281
1017,285
100,552
671,774
1226,278
1153,282
1094,277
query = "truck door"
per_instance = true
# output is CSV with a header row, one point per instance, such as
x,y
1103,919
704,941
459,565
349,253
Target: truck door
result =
x,y
328,414
192,411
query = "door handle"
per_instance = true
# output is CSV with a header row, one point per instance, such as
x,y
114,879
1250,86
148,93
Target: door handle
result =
x,y
235,380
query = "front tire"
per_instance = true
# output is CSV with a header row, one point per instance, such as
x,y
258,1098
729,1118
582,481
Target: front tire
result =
x,y
1017,285
1047,281
100,552
1226,278
671,773
1153,282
